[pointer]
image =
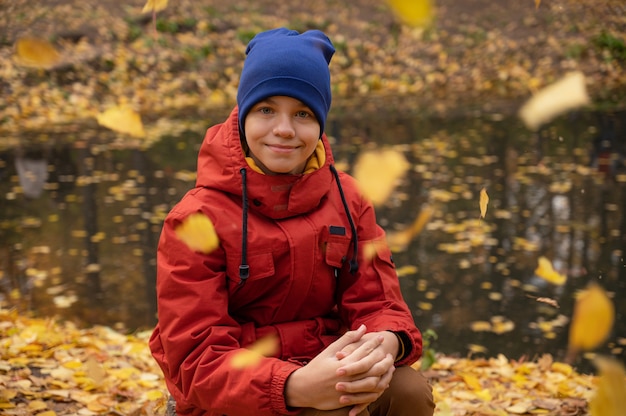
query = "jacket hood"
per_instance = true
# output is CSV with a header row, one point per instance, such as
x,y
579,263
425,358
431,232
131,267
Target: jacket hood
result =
x,y
220,165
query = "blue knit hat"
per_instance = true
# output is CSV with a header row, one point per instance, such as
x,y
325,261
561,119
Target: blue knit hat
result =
x,y
285,62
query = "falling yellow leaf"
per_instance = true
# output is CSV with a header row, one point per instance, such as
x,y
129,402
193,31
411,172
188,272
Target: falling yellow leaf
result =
x,y
247,357
537,3
610,396
122,119
154,6
198,232
566,94
400,239
592,319
546,271
35,52
484,201
377,173
416,13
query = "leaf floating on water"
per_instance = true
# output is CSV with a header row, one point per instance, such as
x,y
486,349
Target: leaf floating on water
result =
x,y
247,357
36,53
416,13
610,396
198,232
484,201
546,272
122,119
377,173
154,6
592,319
566,94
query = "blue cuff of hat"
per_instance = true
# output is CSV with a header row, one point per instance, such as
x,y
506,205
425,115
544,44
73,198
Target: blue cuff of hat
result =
x,y
290,87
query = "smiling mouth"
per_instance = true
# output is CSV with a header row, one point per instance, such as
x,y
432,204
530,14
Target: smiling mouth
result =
x,y
281,149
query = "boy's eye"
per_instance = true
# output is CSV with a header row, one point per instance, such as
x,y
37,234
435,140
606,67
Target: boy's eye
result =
x,y
265,110
303,114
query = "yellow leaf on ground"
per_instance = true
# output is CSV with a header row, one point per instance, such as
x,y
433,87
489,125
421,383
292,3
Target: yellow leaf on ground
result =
x,y
413,12
610,396
122,119
546,272
472,381
35,52
198,232
592,318
154,5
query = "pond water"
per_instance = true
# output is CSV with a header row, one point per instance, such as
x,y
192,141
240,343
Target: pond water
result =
x,y
81,211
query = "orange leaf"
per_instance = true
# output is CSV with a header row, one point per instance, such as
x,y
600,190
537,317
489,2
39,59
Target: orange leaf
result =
x,y
610,396
377,173
592,319
122,119
154,5
264,347
413,12
484,201
35,52
546,271
566,94
198,233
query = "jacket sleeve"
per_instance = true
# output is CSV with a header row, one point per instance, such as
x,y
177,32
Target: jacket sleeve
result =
x,y
372,295
196,339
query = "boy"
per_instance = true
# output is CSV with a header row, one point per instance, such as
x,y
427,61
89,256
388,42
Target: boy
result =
x,y
301,259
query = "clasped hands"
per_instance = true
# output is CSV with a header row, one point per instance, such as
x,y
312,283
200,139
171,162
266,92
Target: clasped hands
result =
x,y
353,371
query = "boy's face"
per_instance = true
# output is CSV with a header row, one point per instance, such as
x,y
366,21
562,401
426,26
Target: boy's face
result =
x,y
281,133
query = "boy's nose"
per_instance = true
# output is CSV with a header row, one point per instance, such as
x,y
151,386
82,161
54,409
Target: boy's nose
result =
x,y
284,126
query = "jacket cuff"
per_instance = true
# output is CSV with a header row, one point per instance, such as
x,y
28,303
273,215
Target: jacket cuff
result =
x,y
405,347
277,391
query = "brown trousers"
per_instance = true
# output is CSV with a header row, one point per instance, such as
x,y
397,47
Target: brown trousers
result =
x,y
409,394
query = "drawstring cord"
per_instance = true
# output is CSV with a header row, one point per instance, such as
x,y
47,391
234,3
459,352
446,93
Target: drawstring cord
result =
x,y
244,268
354,265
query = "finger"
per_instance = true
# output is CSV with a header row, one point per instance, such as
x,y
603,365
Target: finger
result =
x,y
385,380
348,338
347,350
363,358
358,398
363,385
357,409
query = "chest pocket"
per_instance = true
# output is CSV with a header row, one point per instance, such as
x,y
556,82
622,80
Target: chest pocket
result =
x,y
337,247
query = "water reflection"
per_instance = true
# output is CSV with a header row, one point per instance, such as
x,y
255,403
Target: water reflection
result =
x,y
79,222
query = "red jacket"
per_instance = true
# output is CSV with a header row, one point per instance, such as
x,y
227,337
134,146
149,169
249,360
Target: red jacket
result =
x,y
298,246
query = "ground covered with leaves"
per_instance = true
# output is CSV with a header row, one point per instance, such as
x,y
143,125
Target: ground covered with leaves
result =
x,y
486,56
51,368
477,55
